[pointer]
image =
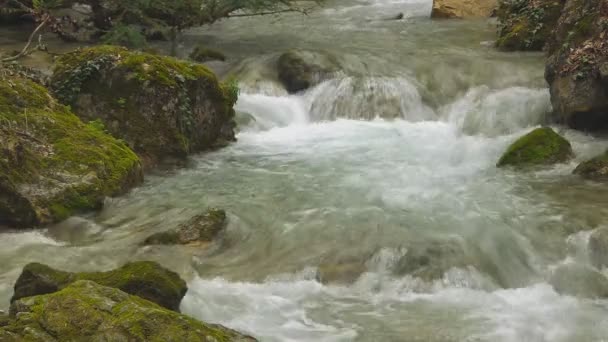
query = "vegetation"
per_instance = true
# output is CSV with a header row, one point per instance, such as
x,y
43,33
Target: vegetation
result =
x,y
542,146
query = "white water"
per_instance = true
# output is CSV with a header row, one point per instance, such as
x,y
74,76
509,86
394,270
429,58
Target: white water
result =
x,y
393,159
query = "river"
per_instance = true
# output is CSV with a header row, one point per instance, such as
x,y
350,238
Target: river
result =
x,y
369,207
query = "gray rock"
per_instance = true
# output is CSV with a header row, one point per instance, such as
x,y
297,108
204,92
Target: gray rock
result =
x,y
580,281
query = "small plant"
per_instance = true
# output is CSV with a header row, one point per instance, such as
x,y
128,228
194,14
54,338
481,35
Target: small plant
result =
x,y
125,35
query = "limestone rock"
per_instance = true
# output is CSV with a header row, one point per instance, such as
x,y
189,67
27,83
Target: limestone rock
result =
x,y
199,229
447,9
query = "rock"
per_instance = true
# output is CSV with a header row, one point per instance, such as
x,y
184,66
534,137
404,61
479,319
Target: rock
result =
x,y
578,52
145,279
301,69
542,146
578,280
429,261
526,25
52,165
342,271
87,311
595,168
162,107
448,9
598,248
200,229
202,54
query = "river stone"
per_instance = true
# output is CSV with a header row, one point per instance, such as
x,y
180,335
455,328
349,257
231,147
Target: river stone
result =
x,y
200,229
203,54
430,260
595,168
527,25
145,279
446,9
162,107
598,248
578,51
579,280
87,311
301,69
52,165
542,146
342,271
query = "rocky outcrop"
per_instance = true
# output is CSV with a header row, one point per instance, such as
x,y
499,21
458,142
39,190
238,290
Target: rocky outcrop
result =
x,y
53,165
145,279
448,9
201,229
87,311
542,146
598,248
526,25
577,67
578,280
162,107
301,69
595,168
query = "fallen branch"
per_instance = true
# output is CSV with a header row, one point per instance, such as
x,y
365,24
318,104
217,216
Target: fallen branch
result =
x,y
25,51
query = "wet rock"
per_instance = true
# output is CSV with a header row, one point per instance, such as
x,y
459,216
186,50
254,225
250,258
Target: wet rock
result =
x,y
581,281
87,311
598,248
52,165
202,54
162,107
451,9
342,272
145,279
542,146
526,25
431,260
595,168
200,229
300,69
578,53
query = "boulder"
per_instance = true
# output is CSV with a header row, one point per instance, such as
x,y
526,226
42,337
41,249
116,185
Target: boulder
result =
x,y
580,281
542,146
162,107
598,248
576,69
301,69
595,168
52,165
201,229
342,270
452,9
527,25
145,279
430,260
202,54
87,311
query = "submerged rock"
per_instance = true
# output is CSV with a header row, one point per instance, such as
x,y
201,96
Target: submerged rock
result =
x,y
87,311
595,168
202,54
581,281
52,165
145,279
300,69
342,271
429,261
598,248
542,146
447,9
162,107
527,25
577,67
199,229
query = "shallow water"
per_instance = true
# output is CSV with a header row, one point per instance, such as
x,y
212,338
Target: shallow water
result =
x,y
396,154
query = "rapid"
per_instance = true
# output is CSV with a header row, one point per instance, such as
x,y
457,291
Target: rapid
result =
x,y
369,207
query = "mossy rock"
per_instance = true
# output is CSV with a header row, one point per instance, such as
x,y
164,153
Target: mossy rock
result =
x,y
202,54
199,229
595,168
542,146
145,279
527,25
300,69
52,165
88,311
162,107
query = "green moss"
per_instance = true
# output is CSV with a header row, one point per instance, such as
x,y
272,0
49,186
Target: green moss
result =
x,y
542,146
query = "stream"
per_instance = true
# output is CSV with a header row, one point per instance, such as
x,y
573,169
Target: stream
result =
x,y
369,207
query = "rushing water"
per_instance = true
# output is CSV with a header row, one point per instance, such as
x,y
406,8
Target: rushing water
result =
x,y
333,192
